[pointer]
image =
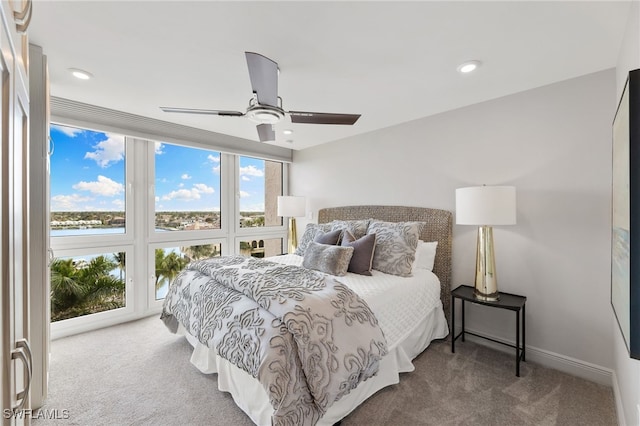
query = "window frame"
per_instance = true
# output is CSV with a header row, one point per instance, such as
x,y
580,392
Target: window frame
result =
x,y
265,236
259,230
152,302
140,240
159,237
88,322
65,241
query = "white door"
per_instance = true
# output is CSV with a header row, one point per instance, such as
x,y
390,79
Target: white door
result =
x,y
14,211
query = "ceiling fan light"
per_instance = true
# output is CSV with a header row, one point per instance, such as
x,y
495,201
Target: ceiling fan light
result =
x,y
267,117
262,114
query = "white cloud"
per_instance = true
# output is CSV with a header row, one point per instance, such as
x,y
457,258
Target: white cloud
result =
x,y
253,208
201,187
158,148
108,151
67,202
157,199
181,185
118,203
244,194
189,194
251,171
216,160
103,186
185,176
72,132
245,179
182,195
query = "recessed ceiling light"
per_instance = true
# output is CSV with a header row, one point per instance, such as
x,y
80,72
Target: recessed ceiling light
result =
x,y
469,66
81,74
287,132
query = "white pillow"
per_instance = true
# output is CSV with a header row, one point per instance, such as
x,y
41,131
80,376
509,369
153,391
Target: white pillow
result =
x,y
425,255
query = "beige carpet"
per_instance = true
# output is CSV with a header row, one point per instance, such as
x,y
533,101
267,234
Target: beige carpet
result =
x,y
139,374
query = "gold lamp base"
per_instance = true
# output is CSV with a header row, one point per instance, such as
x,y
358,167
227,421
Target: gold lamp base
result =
x,y
293,235
486,286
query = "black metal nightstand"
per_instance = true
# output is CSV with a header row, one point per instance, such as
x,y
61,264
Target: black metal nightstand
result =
x,y
512,302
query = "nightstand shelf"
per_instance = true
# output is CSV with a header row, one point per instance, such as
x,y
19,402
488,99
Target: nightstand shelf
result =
x,y
512,302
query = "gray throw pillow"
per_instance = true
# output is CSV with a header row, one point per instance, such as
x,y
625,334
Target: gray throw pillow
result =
x,y
331,237
332,260
395,246
363,249
309,235
358,228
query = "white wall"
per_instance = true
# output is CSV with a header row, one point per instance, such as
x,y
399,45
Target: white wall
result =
x,y
554,144
627,370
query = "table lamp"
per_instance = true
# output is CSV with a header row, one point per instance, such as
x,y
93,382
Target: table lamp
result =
x,y
486,206
292,207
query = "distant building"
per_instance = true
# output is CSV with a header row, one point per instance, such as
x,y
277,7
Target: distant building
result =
x,y
118,220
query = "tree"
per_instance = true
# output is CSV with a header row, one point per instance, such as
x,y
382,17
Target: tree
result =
x,y
121,261
66,287
168,266
200,252
81,288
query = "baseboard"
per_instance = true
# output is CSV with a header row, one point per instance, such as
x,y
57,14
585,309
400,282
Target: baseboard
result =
x,y
566,364
618,399
96,321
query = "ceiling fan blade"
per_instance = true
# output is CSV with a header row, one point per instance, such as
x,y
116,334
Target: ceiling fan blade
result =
x,y
266,133
203,111
322,118
263,73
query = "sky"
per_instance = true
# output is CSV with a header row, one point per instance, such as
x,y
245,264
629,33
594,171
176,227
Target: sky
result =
x,y
88,174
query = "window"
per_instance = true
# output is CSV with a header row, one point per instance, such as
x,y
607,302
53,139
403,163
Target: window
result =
x,y
87,182
88,284
120,235
260,183
91,238
261,247
187,188
169,261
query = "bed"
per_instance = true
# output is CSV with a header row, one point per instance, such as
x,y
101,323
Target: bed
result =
x,y
409,311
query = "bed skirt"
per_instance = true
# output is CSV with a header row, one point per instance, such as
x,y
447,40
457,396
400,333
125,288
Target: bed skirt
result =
x,y
250,396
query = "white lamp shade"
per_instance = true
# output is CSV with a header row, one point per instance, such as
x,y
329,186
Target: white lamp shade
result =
x,y
290,206
486,205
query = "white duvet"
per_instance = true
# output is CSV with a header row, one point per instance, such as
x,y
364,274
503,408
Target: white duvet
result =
x,y
398,302
409,312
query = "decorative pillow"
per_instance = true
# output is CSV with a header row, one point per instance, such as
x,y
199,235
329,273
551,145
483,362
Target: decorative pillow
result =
x,y
331,237
425,255
358,228
396,246
363,249
332,260
309,235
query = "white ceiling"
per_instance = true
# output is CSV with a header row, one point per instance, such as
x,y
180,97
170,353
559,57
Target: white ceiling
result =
x,y
389,61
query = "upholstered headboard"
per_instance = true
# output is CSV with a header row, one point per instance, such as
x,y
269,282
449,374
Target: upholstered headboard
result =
x,y
439,228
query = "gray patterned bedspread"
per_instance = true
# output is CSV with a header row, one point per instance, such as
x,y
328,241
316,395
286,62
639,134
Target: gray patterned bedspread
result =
x,y
307,338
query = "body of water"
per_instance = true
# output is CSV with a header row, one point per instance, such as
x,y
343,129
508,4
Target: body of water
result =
x,y
90,231
85,231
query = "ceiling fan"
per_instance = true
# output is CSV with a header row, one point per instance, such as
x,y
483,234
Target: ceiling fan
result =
x,y
265,107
